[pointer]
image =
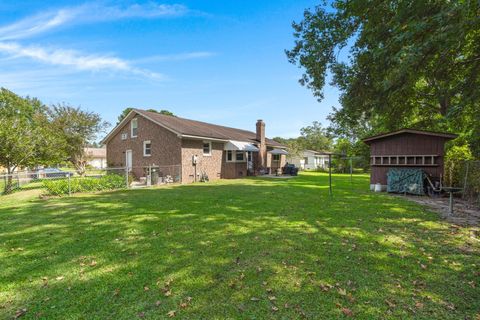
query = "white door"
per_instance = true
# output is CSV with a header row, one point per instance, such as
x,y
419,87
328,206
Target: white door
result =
x,y
128,160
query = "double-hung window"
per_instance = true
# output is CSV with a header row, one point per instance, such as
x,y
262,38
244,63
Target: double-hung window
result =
x,y
134,128
147,148
276,157
207,148
229,156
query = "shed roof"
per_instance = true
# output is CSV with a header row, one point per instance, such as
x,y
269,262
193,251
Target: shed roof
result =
x,y
445,135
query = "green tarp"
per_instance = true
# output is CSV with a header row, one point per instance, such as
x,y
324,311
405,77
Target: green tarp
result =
x,y
405,180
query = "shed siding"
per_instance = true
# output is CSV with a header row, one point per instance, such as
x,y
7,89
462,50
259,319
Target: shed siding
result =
x,y
407,144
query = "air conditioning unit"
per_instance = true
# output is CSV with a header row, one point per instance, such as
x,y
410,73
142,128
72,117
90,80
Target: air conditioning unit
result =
x,y
124,136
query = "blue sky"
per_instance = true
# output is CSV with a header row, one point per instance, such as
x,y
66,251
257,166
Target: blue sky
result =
x,y
215,61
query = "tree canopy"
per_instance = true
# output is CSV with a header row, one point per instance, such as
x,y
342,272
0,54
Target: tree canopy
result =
x,y
396,63
313,137
78,130
27,137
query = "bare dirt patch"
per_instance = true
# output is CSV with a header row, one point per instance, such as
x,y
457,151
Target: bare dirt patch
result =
x,y
464,213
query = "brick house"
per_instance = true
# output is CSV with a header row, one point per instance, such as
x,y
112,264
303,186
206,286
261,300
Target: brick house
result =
x,y
146,138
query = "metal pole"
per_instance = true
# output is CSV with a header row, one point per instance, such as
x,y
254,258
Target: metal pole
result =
x,y
450,208
126,176
351,172
330,173
465,180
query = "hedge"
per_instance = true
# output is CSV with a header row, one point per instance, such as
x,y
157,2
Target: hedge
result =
x,y
85,184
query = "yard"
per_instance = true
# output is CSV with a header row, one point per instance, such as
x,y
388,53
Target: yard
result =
x,y
250,248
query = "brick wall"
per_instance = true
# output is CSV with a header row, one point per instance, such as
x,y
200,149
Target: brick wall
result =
x,y
166,147
211,165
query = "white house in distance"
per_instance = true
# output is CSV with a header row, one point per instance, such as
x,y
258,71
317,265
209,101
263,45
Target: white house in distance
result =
x,y
309,160
96,157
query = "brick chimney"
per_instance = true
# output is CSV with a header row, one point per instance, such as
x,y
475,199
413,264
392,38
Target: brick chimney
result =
x,y
262,154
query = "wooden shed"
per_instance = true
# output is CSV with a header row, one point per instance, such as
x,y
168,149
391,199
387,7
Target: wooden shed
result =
x,y
406,148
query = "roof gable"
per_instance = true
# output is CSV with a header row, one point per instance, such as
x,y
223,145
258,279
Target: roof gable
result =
x,y
444,135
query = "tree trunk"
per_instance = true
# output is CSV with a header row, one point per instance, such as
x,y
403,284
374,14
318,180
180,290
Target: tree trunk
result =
x,y
9,183
444,105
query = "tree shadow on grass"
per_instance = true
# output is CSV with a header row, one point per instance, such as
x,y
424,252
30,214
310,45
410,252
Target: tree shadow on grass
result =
x,y
240,249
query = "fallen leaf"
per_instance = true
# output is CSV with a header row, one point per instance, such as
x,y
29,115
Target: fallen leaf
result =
x,y
172,313
390,303
93,263
141,314
20,313
418,305
116,292
274,309
183,305
158,302
254,299
146,288
60,278
342,292
167,293
272,298
347,312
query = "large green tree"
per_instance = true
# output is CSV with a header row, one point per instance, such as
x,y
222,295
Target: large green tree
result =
x,y
78,129
27,137
403,63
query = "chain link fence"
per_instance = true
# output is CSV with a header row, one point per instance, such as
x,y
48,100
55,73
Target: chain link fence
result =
x,y
465,175
66,181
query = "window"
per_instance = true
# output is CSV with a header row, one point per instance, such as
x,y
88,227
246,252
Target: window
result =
x,y
147,148
239,156
207,148
276,157
229,156
305,160
133,128
124,136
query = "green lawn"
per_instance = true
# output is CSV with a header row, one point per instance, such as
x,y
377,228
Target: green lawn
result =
x,y
235,249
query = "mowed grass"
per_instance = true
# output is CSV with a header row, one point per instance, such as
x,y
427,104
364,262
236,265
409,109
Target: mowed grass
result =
x,y
235,249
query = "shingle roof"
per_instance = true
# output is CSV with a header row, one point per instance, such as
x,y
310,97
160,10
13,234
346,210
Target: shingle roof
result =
x,y
202,129
413,131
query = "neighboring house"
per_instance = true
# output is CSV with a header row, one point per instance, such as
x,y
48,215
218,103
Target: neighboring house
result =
x,y
145,139
96,157
309,160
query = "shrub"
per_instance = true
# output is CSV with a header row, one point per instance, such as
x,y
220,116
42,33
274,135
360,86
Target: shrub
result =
x,y
454,162
85,184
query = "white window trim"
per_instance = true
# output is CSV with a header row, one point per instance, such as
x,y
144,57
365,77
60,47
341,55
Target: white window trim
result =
x,y
144,148
244,157
233,156
131,127
209,148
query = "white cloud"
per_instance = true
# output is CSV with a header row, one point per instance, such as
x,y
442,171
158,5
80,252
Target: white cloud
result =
x,y
87,13
74,59
176,57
